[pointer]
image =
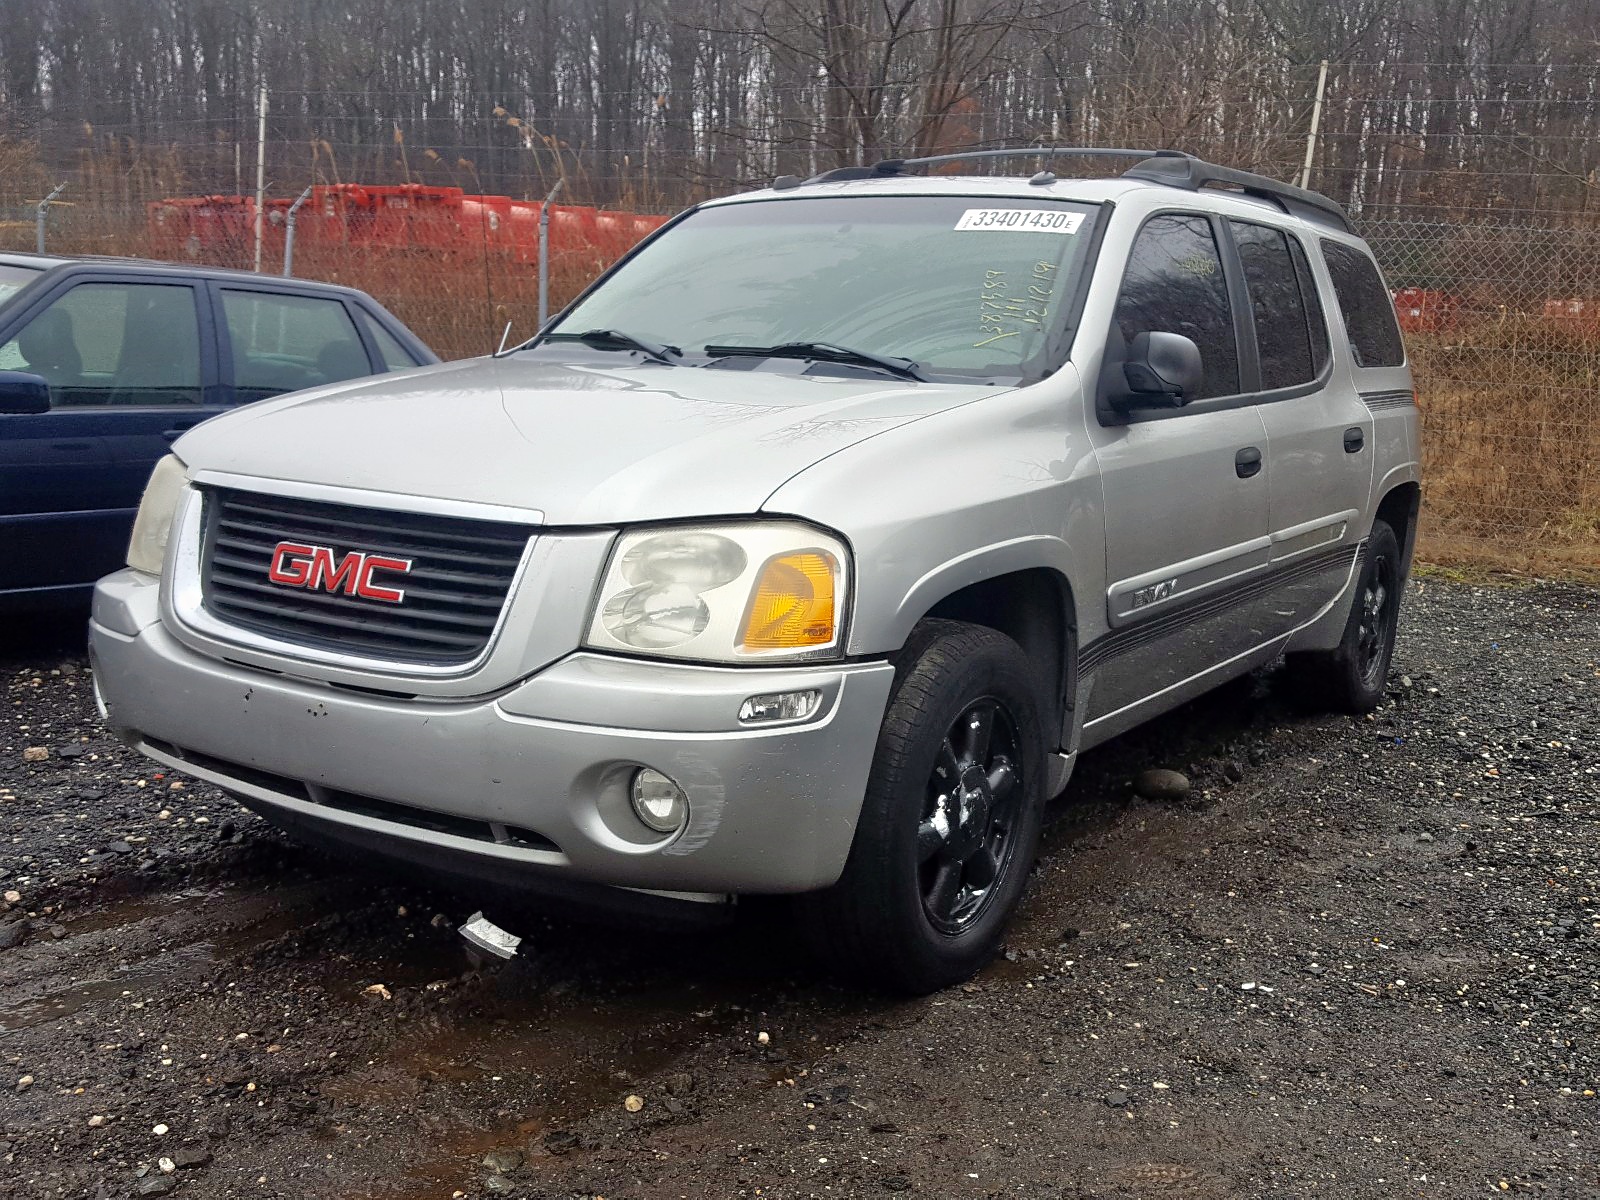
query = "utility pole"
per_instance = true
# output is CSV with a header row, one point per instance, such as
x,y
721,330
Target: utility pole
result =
x,y
1316,123
261,171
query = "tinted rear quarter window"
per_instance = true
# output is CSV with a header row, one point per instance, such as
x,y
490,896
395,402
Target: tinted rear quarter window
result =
x,y
1366,306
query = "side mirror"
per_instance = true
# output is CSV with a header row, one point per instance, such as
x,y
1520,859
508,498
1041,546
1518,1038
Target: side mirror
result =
x,y
1163,370
23,394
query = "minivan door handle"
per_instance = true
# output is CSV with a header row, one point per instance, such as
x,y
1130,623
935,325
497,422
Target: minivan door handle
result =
x,y
1247,462
1354,439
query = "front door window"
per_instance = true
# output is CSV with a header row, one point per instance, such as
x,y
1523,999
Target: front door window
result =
x,y
113,345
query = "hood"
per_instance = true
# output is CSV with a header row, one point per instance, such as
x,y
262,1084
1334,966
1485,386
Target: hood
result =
x,y
581,443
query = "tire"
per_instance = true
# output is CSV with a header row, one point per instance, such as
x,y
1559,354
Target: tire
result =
x,y
935,871
1350,678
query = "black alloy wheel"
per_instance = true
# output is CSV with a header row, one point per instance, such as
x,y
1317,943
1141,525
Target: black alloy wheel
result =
x,y
1351,676
950,822
964,841
1375,631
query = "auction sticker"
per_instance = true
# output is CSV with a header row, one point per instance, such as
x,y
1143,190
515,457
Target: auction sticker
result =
x,y
1020,220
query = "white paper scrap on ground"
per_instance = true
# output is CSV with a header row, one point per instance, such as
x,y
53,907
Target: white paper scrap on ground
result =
x,y
489,937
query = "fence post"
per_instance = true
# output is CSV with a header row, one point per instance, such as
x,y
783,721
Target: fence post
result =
x,y
544,254
40,215
261,172
288,232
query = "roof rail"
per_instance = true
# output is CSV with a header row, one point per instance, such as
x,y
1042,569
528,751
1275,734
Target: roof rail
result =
x,y
1190,173
899,166
1170,168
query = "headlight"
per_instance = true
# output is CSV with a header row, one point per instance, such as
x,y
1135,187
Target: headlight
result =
x,y
725,593
153,525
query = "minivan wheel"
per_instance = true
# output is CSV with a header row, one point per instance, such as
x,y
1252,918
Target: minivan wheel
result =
x,y
1350,677
950,824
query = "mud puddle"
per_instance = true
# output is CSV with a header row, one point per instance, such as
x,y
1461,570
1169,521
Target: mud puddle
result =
x,y
145,945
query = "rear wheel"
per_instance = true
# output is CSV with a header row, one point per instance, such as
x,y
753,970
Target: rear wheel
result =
x,y
950,823
1351,677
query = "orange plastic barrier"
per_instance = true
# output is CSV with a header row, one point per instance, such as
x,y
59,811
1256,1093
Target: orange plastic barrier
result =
x,y
398,219
1575,313
200,227
1424,310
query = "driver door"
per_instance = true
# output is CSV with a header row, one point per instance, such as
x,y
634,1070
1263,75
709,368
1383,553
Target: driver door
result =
x,y
128,360
1185,489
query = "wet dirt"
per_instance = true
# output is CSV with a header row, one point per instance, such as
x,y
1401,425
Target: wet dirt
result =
x,y
1362,958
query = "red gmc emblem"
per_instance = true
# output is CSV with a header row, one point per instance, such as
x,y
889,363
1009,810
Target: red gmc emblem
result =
x,y
314,567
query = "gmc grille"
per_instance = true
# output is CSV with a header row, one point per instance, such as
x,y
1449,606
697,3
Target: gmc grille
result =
x,y
461,571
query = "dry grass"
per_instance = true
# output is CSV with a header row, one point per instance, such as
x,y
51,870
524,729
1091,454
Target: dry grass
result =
x,y
1511,444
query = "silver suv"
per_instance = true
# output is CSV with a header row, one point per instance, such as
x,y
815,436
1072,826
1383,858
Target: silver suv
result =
x,y
803,553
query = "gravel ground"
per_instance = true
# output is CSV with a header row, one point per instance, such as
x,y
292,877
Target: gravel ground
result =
x,y
1362,958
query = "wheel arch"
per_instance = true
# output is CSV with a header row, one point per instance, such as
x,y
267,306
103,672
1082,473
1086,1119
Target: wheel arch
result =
x,y
1034,606
1398,508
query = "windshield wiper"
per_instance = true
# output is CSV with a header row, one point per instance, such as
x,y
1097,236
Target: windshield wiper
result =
x,y
902,368
616,339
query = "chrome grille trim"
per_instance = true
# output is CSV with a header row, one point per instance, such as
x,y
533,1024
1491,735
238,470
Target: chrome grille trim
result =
x,y
184,595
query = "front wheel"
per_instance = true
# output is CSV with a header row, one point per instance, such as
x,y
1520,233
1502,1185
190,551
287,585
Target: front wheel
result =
x,y
950,824
1350,677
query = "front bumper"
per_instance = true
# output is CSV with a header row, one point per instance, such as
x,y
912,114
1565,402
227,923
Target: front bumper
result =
x,y
531,780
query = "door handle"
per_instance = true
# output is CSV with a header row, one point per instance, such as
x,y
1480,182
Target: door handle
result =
x,y
177,431
1247,462
1354,439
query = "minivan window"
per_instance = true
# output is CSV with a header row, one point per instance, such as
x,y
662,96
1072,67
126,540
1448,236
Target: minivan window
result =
x,y
283,343
1366,305
1277,308
1174,284
135,344
964,286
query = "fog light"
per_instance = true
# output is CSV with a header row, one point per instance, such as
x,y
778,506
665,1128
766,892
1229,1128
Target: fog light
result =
x,y
658,801
780,706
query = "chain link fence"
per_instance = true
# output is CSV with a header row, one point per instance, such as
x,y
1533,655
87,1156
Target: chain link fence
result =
x,y
1502,323
1503,328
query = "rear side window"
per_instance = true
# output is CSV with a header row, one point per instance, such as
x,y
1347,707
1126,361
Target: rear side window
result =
x,y
1174,284
283,343
1367,308
1277,307
1315,319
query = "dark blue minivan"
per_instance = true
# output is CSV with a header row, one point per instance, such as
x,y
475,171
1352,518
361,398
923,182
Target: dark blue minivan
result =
x,y
105,362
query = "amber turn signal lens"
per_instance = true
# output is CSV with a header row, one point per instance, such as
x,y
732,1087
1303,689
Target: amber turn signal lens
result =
x,y
794,604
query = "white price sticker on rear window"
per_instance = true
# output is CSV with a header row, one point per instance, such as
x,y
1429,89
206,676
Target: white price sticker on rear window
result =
x,y
1020,220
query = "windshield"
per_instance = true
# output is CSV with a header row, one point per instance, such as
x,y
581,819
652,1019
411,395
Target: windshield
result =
x,y
964,287
14,278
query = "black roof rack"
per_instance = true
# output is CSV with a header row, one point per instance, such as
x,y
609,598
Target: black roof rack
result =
x,y
1170,168
1191,173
